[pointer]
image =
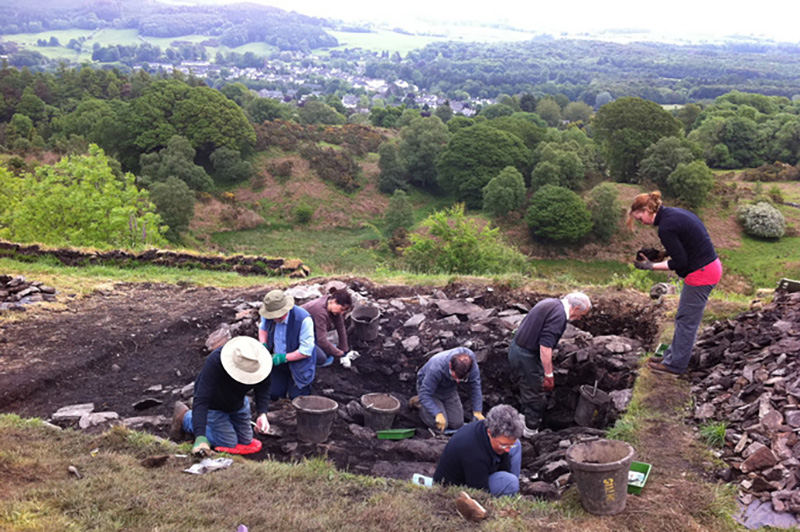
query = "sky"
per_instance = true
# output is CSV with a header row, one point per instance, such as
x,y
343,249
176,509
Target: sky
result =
x,y
696,19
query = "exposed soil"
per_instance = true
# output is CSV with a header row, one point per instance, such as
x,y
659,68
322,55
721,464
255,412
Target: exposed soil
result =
x,y
111,347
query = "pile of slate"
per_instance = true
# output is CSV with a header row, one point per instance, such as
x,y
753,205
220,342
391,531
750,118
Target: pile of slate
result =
x,y
747,375
15,292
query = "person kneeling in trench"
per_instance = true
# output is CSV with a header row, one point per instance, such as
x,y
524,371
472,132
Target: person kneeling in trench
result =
x,y
437,386
485,455
221,410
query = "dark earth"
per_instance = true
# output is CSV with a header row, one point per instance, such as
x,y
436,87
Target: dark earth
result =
x,y
110,347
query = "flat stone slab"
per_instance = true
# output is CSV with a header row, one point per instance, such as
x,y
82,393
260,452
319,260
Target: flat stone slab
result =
x,y
72,412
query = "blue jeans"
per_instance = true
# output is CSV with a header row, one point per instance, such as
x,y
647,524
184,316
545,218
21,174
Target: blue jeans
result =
x,y
225,429
283,384
450,404
505,482
687,321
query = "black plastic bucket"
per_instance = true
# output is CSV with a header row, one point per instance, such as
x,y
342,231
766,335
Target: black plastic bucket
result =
x,y
315,416
365,319
589,402
600,469
379,410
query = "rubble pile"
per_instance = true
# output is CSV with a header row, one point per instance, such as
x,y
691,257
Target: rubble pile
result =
x,y
17,291
747,374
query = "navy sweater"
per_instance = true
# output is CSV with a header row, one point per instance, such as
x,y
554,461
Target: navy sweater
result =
x,y
214,389
468,458
543,325
686,240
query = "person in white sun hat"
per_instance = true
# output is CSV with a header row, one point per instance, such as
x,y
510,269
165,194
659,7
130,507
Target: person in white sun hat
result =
x,y
221,410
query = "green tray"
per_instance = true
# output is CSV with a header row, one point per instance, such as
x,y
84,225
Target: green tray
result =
x,y
396,434
661,349
642,471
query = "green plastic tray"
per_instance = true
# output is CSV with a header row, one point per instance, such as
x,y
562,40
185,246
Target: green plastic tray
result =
x,y
396,434
661,349
635,486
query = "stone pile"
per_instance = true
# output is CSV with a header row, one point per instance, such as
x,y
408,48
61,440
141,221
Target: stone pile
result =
x,y
17,291
746,373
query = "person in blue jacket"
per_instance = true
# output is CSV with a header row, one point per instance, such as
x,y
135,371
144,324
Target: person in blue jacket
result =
x,y
287,331
485,455
221,410
693,257
437,387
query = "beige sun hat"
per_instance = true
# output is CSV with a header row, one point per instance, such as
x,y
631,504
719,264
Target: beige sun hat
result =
x,y
246,360
276,303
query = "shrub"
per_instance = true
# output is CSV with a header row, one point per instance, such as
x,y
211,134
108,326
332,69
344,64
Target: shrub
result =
x,y
545,173
762,220
605,210
558,214
302,213
691,183
504,193
399,214
174,201
455,244
282,170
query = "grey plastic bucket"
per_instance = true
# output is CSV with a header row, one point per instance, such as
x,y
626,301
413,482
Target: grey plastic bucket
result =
x,y
379,410
365,319
589,401
315,416
600,469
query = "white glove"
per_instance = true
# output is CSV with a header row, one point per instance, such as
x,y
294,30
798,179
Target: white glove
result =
x,y
353,354
347,360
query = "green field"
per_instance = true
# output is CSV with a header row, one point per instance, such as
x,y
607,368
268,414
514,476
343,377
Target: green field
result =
x,y
764,262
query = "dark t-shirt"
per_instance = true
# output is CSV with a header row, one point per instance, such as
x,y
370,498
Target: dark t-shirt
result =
x,y
544,325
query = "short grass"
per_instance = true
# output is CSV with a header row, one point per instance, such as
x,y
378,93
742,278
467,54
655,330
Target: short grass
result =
x,y
764,262
337,250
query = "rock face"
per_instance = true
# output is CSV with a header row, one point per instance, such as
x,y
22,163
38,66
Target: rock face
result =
x,y
746,373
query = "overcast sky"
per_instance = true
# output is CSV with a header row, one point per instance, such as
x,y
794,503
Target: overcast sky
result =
x,y
775,19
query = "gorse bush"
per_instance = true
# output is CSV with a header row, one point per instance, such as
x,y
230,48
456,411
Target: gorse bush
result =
x,y
558,214
605,210
303,213
453,243
762,220
504,193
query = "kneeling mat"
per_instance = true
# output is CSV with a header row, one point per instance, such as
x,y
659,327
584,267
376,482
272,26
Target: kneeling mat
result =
x,y
252,447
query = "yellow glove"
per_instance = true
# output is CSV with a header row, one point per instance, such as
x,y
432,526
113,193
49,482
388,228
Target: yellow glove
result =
x,y
441,422
478,416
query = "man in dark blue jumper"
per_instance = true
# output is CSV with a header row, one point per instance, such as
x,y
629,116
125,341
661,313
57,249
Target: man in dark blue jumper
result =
x,y
530,355
221,409
485,454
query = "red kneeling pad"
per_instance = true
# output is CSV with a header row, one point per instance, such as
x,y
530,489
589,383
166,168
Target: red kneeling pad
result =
x,y
252,447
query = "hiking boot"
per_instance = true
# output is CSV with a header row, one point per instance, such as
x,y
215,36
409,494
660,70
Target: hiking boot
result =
x,y
413,403
469,508
176,432
658,367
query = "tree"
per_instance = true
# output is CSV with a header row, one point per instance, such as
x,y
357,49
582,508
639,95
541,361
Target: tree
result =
x,y
78,201
399,213
504,193
557,214
459,122
174,202
176,160
549,110
316,112
452,243
420,144
605,209
444,112
578,112
262,109
474,156
663,157
496,110
229,166
545,173
691,183
626,128
237,92
687,115
391,176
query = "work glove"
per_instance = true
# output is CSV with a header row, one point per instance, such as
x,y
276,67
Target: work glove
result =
x,y
201,447
278,359
478,416
441,422
347,360
262,424
643,264
549,383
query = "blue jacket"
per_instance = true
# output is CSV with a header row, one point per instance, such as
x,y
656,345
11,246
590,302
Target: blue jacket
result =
x,y
303,370
435,377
